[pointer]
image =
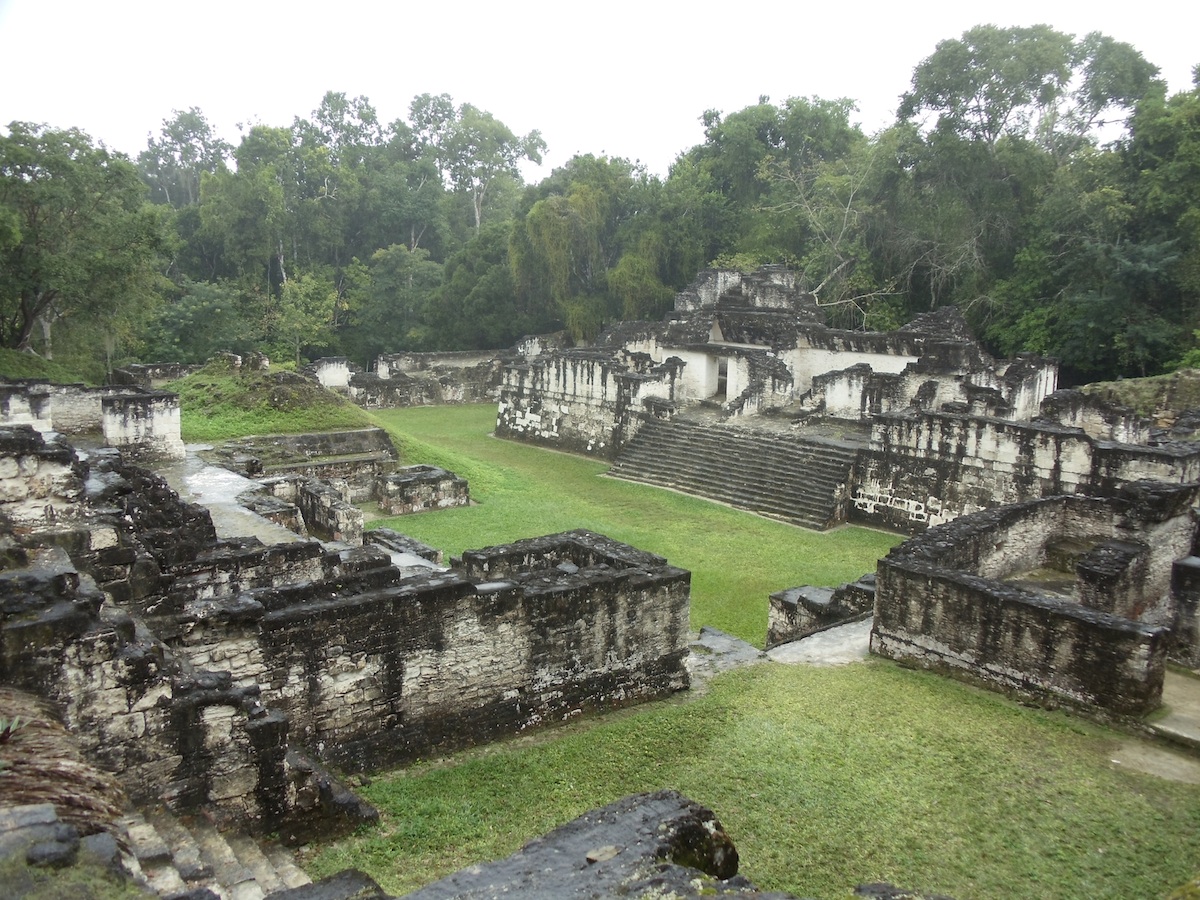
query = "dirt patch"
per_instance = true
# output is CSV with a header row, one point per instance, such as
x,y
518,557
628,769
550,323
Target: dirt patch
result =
x,y
1157,760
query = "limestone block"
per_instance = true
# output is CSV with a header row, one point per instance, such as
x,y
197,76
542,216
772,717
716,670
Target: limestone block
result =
x,y
233,785
13,489
103,538
150,699
218,726
130,726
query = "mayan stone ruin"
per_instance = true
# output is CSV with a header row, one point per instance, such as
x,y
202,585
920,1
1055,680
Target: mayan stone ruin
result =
x,y
1052,553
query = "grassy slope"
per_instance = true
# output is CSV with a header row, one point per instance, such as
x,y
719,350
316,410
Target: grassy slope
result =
x,y
216,405
825,778
736,560
15,364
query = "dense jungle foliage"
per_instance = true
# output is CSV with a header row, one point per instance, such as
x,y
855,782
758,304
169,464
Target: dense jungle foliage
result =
x,y
1046,185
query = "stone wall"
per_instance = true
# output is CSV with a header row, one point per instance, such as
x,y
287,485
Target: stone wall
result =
x,y
25,404
859,392
800,611
974,597
328,512
769,287
141,422
923,469
389,674
41,481
152,375
357,456
331,372
324,508
425,379
1096,417
173,733
78,409
585,401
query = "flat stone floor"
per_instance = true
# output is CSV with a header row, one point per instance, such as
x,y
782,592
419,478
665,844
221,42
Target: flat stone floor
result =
x,y
832,647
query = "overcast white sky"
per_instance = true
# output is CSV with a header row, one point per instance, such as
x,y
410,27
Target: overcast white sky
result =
x,y
618,77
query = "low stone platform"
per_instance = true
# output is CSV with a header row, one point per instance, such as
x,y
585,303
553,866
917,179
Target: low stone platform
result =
x,y
1181,698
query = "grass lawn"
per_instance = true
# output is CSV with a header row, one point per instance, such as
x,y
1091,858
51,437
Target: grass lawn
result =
x,y
736,559
824,777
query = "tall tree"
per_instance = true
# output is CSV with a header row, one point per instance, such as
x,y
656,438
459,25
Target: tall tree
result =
x,y
173,163
992,81
1027,82
77,237
474,150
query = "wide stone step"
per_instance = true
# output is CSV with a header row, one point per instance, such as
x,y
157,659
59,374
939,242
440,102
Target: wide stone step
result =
x,y
778,476
711,452
802,512
747,474
733,471
775,496
693,462
776,500
176,856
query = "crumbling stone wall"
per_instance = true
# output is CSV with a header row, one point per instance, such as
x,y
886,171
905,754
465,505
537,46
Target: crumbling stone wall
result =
x,y
173,733
328,512
331,372
391,672
768,287
1096,417
357,456
859,392
25,404
923,469
40,481
143,424
305,506
152,376
800,611
582,400
426,379
958,598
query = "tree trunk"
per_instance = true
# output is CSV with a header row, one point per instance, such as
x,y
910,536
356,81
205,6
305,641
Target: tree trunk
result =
x,y
48,349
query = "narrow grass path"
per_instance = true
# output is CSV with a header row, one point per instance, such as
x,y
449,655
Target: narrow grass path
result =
x,y
825,778
736,559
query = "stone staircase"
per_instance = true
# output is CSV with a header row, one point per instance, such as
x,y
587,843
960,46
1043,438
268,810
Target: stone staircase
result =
x,y
184,857
802,480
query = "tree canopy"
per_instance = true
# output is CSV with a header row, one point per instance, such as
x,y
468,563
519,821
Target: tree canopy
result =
x,y
1046,184
77,239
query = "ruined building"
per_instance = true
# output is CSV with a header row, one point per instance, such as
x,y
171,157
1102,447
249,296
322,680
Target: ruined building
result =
x,y
223,675
743,395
